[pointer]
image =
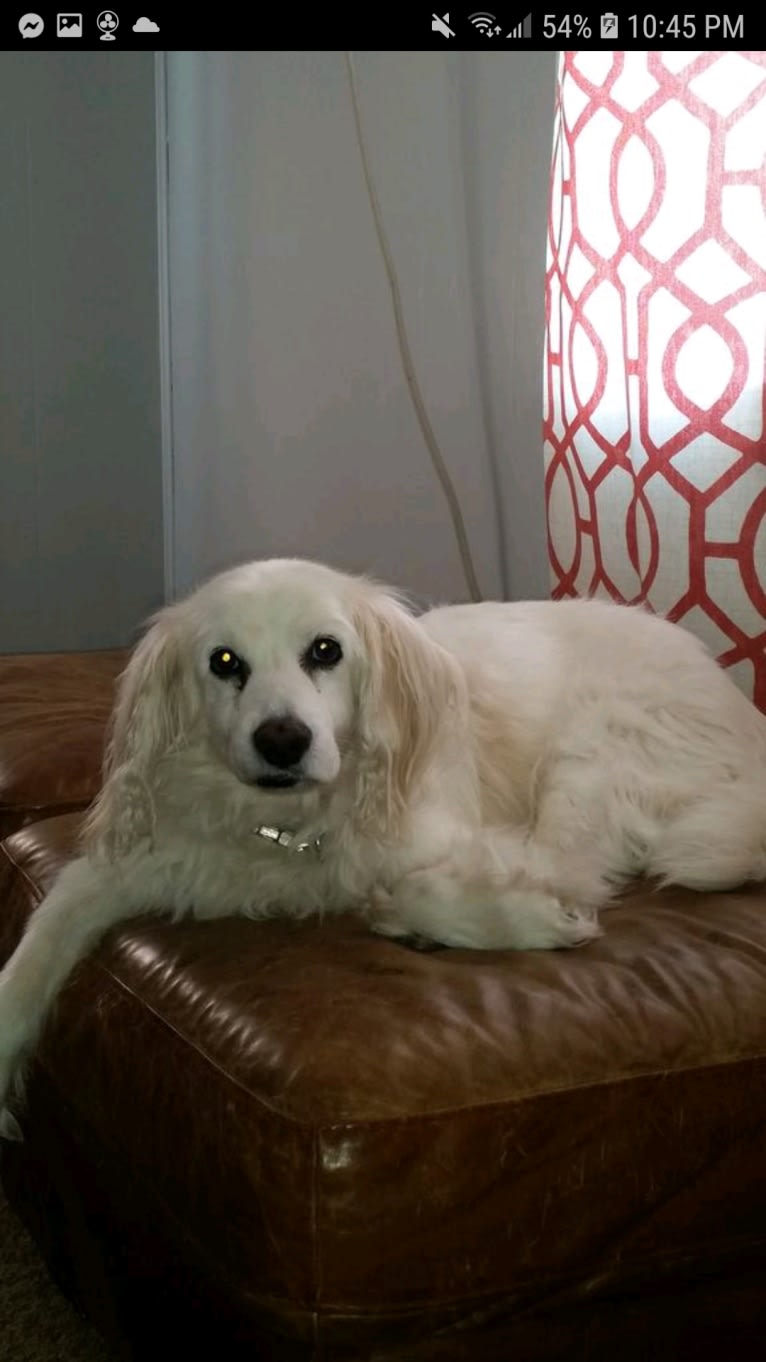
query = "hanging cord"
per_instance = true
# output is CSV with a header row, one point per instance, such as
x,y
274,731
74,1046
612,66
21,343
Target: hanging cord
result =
x,y
405,352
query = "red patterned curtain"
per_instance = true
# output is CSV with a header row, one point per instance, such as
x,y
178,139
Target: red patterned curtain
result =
x,y
655,348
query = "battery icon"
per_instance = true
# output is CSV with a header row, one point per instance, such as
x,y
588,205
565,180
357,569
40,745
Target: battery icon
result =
x,y
609,26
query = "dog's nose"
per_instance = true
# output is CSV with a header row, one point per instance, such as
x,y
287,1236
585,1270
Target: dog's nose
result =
x,y
282,742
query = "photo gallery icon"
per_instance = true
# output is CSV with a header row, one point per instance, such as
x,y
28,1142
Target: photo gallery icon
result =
x,y
68,25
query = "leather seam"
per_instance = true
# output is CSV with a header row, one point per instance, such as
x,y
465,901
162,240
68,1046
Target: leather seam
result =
x,y
37,893
363,1123
553,1286
405,1119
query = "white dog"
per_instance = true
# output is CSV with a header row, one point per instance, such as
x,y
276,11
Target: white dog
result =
x,y
290,740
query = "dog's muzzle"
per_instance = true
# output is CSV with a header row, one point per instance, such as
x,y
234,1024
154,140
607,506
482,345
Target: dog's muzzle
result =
x,y
281,742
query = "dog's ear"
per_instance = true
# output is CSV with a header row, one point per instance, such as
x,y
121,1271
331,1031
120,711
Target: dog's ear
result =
x,y
151,714
409,689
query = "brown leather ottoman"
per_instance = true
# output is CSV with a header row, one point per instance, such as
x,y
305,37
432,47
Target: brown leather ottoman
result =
x,y
54,708
297,1141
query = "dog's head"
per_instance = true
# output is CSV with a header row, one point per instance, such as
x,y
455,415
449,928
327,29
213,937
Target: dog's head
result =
x,y
290,676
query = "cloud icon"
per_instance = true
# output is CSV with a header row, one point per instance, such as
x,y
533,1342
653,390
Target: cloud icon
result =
x,y
145,26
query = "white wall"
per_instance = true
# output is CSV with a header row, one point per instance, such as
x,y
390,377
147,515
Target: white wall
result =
x,y
293,431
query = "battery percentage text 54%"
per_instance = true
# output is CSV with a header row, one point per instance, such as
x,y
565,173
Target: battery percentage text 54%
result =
x,y
571,25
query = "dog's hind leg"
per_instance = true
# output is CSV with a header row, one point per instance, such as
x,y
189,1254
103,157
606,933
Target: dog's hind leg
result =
x,y
718,842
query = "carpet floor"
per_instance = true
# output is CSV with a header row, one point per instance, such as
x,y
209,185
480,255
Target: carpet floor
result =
x,y
37,1323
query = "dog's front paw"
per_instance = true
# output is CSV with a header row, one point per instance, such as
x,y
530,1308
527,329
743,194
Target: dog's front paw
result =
x,y
539,921
450,914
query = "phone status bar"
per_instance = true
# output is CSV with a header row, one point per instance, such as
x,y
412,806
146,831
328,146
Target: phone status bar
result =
x,y
468,29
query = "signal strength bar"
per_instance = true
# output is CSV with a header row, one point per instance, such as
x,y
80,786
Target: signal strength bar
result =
x,y
523,30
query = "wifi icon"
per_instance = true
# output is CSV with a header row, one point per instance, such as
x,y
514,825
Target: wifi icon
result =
x,y
485,23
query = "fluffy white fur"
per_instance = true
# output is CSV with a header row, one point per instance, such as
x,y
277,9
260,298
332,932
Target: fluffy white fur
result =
x,y
484,776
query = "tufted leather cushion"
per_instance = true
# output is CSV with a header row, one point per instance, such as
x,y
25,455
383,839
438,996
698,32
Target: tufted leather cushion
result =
x,y
346,1149
54,709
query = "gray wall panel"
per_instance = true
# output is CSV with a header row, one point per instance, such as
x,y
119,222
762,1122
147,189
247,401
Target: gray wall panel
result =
x,y
80,460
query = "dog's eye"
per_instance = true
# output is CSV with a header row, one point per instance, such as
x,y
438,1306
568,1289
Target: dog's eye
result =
x,y
324,652
225,663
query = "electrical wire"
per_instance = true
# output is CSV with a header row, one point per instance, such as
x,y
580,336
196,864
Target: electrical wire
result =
x,y
405,351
